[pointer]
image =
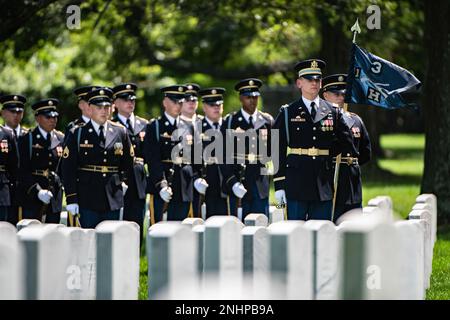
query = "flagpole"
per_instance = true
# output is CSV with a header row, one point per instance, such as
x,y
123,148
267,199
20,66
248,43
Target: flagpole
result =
x,y
355,29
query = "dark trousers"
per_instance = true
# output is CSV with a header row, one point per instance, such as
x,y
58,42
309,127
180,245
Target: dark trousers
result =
x,y
253,205
343,208
309,210
13,215
176,210
51,217
134,210
3,213
90,219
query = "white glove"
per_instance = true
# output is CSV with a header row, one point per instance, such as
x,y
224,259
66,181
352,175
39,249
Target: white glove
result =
x,y
280,196
200,185
73,209
239,190
124,188
166,194
45,196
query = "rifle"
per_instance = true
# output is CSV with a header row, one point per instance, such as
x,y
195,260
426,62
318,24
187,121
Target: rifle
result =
x,y
201,200
52,180
169,179
239,200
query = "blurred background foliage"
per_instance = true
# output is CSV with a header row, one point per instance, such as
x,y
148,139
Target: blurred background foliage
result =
x,y
216,43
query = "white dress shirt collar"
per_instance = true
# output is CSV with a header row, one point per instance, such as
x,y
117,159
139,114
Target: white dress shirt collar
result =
x,y
97,127
43,132
211,123
247,115
85,119
307,103
171,119
17,129
124,120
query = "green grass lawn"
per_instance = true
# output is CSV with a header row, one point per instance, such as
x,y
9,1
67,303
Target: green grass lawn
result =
x,y
403,167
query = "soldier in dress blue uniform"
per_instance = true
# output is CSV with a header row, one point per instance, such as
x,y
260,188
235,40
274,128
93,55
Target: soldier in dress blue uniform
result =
x,y
166,135
40,153
349,191
209,177
134,201
96,162
308,129
12,113
81,93
190,103
249,184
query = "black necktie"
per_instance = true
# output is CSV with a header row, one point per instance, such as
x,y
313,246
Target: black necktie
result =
x,y
250,121
101,135
313,110
175,123
47,140
216,125
129,125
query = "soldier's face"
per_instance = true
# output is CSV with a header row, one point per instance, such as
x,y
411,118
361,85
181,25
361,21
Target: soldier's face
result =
x,y
310,88
100,113
249,103
84,107
189,107
334,97
173,108
125,107
46,123
12,118
213,112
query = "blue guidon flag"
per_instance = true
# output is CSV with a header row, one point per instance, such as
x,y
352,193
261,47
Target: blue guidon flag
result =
x,y
377,82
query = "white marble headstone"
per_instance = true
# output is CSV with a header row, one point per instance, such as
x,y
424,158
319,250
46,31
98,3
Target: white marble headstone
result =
x,y
411,258
12,280
81,272
428,245
223,248
117,260
199,231
193,221
256,219
276,215
291,260
172,260
26,223
431,200
46,261
256,249
325,259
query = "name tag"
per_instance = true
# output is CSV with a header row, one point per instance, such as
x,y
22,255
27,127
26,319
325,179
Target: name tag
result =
x,y
84,145
38,146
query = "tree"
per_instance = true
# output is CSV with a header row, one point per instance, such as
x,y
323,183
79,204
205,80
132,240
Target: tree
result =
x,y
436,98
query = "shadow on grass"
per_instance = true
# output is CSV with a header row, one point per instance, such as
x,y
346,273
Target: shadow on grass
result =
x,y
376,176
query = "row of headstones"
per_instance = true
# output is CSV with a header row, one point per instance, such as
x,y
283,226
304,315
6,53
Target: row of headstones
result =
x,y
367,256
50,261
54,262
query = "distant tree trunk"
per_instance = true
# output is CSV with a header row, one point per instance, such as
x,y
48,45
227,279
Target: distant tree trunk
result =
x,y
335,51
436,99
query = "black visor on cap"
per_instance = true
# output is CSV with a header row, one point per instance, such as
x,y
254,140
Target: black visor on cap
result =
x,y
49,113
312,76
250,93
126,96
100,102
14,107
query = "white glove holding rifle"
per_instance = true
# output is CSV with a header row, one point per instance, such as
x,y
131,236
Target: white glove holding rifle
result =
x,y
166,194
73,209
45,196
